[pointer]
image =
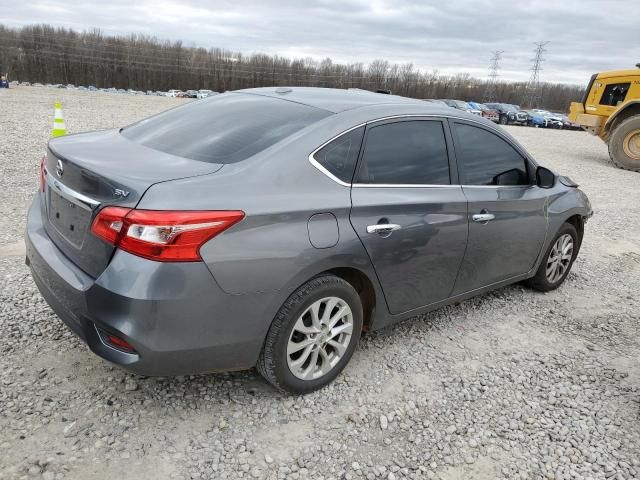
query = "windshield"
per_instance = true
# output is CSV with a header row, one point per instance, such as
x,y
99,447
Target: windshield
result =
x,y
225,128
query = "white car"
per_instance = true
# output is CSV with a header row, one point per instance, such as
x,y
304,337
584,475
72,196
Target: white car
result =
x,y
475,111
173,93
205,93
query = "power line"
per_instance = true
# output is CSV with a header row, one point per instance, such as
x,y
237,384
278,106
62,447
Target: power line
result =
x,y
231,68
491,92
193,66
142,41
533,93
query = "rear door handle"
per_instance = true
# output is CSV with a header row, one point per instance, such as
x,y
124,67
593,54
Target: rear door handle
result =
x,y
383,228
483,217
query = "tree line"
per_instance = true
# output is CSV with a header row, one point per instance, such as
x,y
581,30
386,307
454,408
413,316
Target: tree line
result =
x,y
42,53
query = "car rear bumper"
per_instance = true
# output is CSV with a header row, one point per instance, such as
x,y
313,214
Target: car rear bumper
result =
x,y
174,314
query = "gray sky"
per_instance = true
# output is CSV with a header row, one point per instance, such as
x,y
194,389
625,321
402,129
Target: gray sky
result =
x,y
452,36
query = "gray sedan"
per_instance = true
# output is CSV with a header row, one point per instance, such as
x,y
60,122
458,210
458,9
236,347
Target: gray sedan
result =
x,y
271,227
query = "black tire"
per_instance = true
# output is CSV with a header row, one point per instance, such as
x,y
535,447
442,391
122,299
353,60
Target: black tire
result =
x,y
503,120
272,363
540,281
616,148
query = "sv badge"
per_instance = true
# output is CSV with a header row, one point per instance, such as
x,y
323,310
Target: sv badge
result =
x,y
118,192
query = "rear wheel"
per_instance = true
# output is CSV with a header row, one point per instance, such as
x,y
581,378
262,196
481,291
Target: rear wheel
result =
x,y
558,260
624,144
313,336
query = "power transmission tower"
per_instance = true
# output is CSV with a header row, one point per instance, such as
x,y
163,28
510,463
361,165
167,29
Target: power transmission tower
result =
x,y
491,92
532,93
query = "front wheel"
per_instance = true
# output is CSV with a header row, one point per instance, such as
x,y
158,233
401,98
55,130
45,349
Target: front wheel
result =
x,y
624,144
313,336
558,260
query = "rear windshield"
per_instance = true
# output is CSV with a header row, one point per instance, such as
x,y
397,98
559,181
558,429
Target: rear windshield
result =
x,y
223,129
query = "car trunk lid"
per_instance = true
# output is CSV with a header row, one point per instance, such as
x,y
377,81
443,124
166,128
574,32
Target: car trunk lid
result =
x,y
88,171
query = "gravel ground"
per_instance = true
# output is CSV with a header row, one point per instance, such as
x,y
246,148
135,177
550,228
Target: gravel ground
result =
x,y
511,385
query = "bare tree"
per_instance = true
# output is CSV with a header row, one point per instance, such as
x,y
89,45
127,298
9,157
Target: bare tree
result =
x,y
42,53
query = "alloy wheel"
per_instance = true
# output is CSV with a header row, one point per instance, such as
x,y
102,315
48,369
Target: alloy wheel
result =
x,y
631,144
559,258
320,338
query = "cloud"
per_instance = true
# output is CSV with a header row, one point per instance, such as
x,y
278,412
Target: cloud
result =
x,y
455,36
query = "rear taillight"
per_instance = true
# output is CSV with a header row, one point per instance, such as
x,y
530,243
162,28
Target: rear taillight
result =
x,y
165,236
43,164
116,342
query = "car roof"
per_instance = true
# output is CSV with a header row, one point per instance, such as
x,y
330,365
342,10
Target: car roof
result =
x,y
334,99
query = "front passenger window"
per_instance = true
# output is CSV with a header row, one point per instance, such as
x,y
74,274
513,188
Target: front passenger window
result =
x,y
487,159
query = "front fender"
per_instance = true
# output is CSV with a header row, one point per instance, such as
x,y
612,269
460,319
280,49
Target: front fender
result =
x,y
625,107
572,201
567,203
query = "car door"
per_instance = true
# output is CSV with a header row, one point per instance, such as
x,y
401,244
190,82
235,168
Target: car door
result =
x,y
408,212
507,212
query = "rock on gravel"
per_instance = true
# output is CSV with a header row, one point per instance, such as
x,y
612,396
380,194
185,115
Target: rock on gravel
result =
x,y
510,385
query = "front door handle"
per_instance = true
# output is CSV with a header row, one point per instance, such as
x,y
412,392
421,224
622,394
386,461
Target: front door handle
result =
x,y
483,217
383,228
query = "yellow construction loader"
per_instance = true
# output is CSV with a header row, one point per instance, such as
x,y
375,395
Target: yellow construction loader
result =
x,y
610,109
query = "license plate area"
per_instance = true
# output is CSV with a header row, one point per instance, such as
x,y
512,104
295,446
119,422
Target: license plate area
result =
x,y
69,219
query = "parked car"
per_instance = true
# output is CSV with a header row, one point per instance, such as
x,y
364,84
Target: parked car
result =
x,y
535,119
552,120
273,226
486,112
439,102
509,114
567,123
461,105
473,110
457,104
4,83
205,93
174,93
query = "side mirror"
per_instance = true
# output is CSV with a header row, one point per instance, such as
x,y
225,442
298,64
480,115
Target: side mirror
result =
x,y
545,178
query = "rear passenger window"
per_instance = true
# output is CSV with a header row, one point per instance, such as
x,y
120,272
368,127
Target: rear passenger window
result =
x,y
340,156
412,152
487,159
